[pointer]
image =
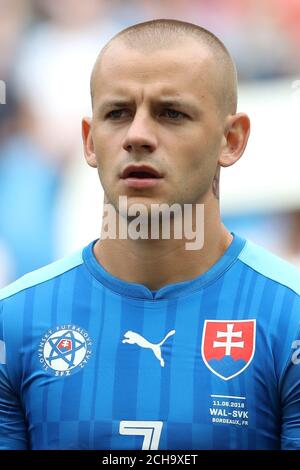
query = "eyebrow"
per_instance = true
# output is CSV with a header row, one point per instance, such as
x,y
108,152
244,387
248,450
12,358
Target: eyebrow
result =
x,y
180,104
114,104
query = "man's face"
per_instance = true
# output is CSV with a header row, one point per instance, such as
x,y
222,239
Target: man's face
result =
x,y
158,109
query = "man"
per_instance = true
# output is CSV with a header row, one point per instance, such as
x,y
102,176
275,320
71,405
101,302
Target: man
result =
x,y
139,342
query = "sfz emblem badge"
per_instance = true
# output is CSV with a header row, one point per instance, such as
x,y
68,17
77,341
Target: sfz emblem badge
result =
x,y
65,350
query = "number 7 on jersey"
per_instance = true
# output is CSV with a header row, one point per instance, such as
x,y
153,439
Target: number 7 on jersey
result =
x,y
151,430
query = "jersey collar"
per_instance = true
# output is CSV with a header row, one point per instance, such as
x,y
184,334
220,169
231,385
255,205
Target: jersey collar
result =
x,y
178,289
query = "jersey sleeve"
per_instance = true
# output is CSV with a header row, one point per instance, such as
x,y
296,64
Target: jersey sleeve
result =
x,y
290,398
13,433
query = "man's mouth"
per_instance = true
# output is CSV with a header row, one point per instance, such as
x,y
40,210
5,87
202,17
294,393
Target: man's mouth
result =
x,y
141,176
140,171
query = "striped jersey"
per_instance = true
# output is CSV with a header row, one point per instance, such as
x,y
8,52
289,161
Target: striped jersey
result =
x,y
89,361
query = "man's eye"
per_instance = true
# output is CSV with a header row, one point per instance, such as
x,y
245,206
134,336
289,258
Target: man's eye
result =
x,y
173,114
116,114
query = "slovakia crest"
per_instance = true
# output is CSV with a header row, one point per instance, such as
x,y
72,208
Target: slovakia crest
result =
x,y
228,346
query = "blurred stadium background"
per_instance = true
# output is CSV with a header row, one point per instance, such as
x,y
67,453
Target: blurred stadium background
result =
x,y
50,201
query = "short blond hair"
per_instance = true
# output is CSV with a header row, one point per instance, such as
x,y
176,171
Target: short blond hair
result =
x,y
163,33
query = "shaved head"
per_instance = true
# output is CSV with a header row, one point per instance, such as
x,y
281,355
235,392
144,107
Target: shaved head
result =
x,y
155,35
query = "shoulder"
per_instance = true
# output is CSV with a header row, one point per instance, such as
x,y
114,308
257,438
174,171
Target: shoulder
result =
x,y
270,266
275,297
42,275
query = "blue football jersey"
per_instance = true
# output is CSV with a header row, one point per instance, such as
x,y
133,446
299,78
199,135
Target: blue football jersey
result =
x,y
89,361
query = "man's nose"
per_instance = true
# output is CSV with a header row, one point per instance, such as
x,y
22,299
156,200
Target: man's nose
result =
x,y
140,135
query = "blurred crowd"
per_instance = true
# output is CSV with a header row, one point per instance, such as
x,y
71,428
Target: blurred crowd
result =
x,y
47,51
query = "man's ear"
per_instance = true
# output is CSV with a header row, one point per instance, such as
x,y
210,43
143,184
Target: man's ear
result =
x,y
236,135
88,144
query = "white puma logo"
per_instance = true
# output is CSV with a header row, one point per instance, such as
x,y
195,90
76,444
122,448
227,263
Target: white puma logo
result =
x,y
134,338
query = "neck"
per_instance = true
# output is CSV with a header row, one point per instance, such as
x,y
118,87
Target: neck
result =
x,y
156,263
